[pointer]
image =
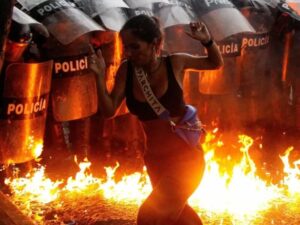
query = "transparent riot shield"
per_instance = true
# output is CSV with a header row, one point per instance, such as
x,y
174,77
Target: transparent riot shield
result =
x,y
74,91
100,7
144,4
114,18
224,80
175,13
222,18
177,41
254,80
62,19
110,13
143,7
290,7
23,112
218,88
22,18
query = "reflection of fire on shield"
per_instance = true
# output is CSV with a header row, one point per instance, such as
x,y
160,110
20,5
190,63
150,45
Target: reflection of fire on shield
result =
x,y
62,19
287,54
290,7
218,88
73,92
254,83
23,111
20,35
223,81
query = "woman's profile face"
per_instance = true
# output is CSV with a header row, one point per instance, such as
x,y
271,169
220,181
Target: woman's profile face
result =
x,y
139,52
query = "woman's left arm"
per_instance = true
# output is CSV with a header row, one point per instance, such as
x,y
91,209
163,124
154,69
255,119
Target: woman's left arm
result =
x,y
213,60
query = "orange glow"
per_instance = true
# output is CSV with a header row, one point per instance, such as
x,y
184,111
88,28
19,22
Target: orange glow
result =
x,y
286,53
294,4
237,192
34,147
112,69
291,180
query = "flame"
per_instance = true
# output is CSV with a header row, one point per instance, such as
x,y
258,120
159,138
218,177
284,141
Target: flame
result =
x,y
237,192
35,187
240,192
285,60
36,146
292,178
133,188
112,69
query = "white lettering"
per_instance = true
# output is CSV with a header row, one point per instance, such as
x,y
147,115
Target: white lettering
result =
x,y
43,105
256,41
143,12
19,109
11,108
27,108
36,107
286,6
209,3
57,67
52,6
228,48
149,95
71,66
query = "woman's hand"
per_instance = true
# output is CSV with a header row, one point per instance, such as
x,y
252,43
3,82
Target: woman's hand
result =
x,y
96,61
199,32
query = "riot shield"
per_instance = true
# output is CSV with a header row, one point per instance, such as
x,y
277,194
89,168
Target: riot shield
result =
x,y
175,13
62,19
222,18
254,83
74,91
114,18
110,13
144,4
176,41
22,18
224,80
100,7
143,7
290,7
23,111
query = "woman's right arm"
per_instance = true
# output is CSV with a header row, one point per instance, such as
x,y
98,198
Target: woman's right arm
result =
x,y
108,103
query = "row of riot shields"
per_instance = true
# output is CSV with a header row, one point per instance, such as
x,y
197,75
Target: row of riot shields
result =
x,y
253,89
113,14
59,89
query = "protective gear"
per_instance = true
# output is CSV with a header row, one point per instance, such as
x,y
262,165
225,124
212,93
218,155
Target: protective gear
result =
x,y
62,19
74,91
18,40
22,18
110,14
215,14
23,111
254,83
174,13
292,8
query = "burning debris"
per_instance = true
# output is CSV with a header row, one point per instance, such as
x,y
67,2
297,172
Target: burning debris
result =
x,y
232,194
238,187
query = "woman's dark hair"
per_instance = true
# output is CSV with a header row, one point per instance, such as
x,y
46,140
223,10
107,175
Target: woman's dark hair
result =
x,y
144,27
